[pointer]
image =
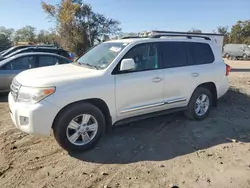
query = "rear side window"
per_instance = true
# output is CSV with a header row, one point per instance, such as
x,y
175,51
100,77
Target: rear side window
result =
x,y
45,60
200,53
173,54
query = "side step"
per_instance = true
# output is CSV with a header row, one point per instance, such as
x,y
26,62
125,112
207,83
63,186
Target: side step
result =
x,y
150,115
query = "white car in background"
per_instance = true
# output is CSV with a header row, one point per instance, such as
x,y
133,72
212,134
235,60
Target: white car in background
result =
x,y
119,81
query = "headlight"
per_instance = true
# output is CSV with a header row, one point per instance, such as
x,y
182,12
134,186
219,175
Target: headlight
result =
x,y
34,95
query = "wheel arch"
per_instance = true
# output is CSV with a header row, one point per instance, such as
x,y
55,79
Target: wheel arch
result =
x,y
99,103
212,88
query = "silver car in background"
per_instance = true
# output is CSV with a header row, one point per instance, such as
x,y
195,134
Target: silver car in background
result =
x,y
12,66
236,51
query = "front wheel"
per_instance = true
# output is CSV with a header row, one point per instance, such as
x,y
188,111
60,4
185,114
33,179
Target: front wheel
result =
x,y
79,127
200,104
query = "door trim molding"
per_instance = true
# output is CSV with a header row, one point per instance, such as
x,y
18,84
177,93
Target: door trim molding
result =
x,y
142,107
182,99
153,105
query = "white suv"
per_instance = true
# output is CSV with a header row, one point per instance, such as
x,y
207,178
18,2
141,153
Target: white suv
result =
x,y
116,82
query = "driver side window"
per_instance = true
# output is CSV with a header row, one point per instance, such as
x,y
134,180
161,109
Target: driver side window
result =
x,y
145,56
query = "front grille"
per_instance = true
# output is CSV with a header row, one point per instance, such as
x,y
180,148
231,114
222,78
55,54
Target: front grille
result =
x,y
14,88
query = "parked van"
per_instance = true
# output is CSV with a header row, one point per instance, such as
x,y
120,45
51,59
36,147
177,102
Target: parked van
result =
x,y
236,51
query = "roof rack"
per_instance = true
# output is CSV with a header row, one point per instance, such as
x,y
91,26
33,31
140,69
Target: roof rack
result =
x,y
131,37
178,35
191,33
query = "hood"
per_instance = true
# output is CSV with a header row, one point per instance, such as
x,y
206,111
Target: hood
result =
x,y
55,75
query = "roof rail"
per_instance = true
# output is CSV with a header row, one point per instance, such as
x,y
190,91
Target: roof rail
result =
x,y
185,33
131,37
178,35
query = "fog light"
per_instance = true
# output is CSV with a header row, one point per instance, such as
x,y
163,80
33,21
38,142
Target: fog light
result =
x,y
24,120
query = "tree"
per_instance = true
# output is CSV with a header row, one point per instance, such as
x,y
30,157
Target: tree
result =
x,y
7,32
4,42
224,31
25,34
193,30
78,26
240,32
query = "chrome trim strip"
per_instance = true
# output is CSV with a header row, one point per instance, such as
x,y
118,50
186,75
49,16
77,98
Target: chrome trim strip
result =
x,y
175,100
142,107
153,105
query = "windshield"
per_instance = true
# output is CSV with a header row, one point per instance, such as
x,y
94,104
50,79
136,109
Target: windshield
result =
x,y
102,55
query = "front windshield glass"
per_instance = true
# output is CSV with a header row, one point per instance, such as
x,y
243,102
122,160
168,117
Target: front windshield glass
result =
x,y
102,55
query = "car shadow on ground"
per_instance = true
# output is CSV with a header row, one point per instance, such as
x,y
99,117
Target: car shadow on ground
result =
x,y
166,137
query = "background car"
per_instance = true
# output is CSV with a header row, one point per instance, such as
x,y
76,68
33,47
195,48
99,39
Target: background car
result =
x,y
53,50
13,49
236,51
12,66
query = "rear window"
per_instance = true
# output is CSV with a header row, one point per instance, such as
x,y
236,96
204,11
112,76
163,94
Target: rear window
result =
x,y
200,53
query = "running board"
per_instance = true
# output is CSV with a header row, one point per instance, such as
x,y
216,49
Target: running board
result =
x,y
150,115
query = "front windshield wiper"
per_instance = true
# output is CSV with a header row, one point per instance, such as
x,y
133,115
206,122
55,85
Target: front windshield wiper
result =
x,y
89,65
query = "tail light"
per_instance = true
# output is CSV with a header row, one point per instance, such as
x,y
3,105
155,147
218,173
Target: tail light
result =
x,y
228,69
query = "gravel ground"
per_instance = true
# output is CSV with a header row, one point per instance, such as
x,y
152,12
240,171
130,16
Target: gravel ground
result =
x,y
166,151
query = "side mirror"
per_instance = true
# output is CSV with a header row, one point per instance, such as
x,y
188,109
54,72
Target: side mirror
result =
x,y
127,64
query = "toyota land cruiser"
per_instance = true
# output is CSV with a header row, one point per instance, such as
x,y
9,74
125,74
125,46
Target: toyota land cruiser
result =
x,y
116,82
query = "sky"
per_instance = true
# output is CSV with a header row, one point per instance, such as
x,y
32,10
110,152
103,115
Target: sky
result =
x,y
137,15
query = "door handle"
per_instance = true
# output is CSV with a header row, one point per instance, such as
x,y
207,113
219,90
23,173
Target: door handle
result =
x,y
195,74
157,79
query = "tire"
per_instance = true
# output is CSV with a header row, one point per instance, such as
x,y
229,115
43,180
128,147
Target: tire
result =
x,y
244,56
227,56
190,112
62,131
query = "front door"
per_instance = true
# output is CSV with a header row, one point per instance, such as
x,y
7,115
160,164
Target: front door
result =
x,y
140,91
14,67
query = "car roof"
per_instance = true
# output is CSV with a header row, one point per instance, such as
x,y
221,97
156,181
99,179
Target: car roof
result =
x,y
37,53
24,49
184,39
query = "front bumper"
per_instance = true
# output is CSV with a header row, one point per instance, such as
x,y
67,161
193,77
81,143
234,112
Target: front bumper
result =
x,y
33,118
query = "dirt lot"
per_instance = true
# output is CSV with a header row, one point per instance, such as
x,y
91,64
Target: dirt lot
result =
x,y
167,151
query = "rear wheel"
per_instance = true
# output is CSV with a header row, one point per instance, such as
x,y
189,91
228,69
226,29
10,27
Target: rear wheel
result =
x,y
200,104
79,127
244,56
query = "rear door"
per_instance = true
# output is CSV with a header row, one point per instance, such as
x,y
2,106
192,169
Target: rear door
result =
x,y
187,64
14,67
177,74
